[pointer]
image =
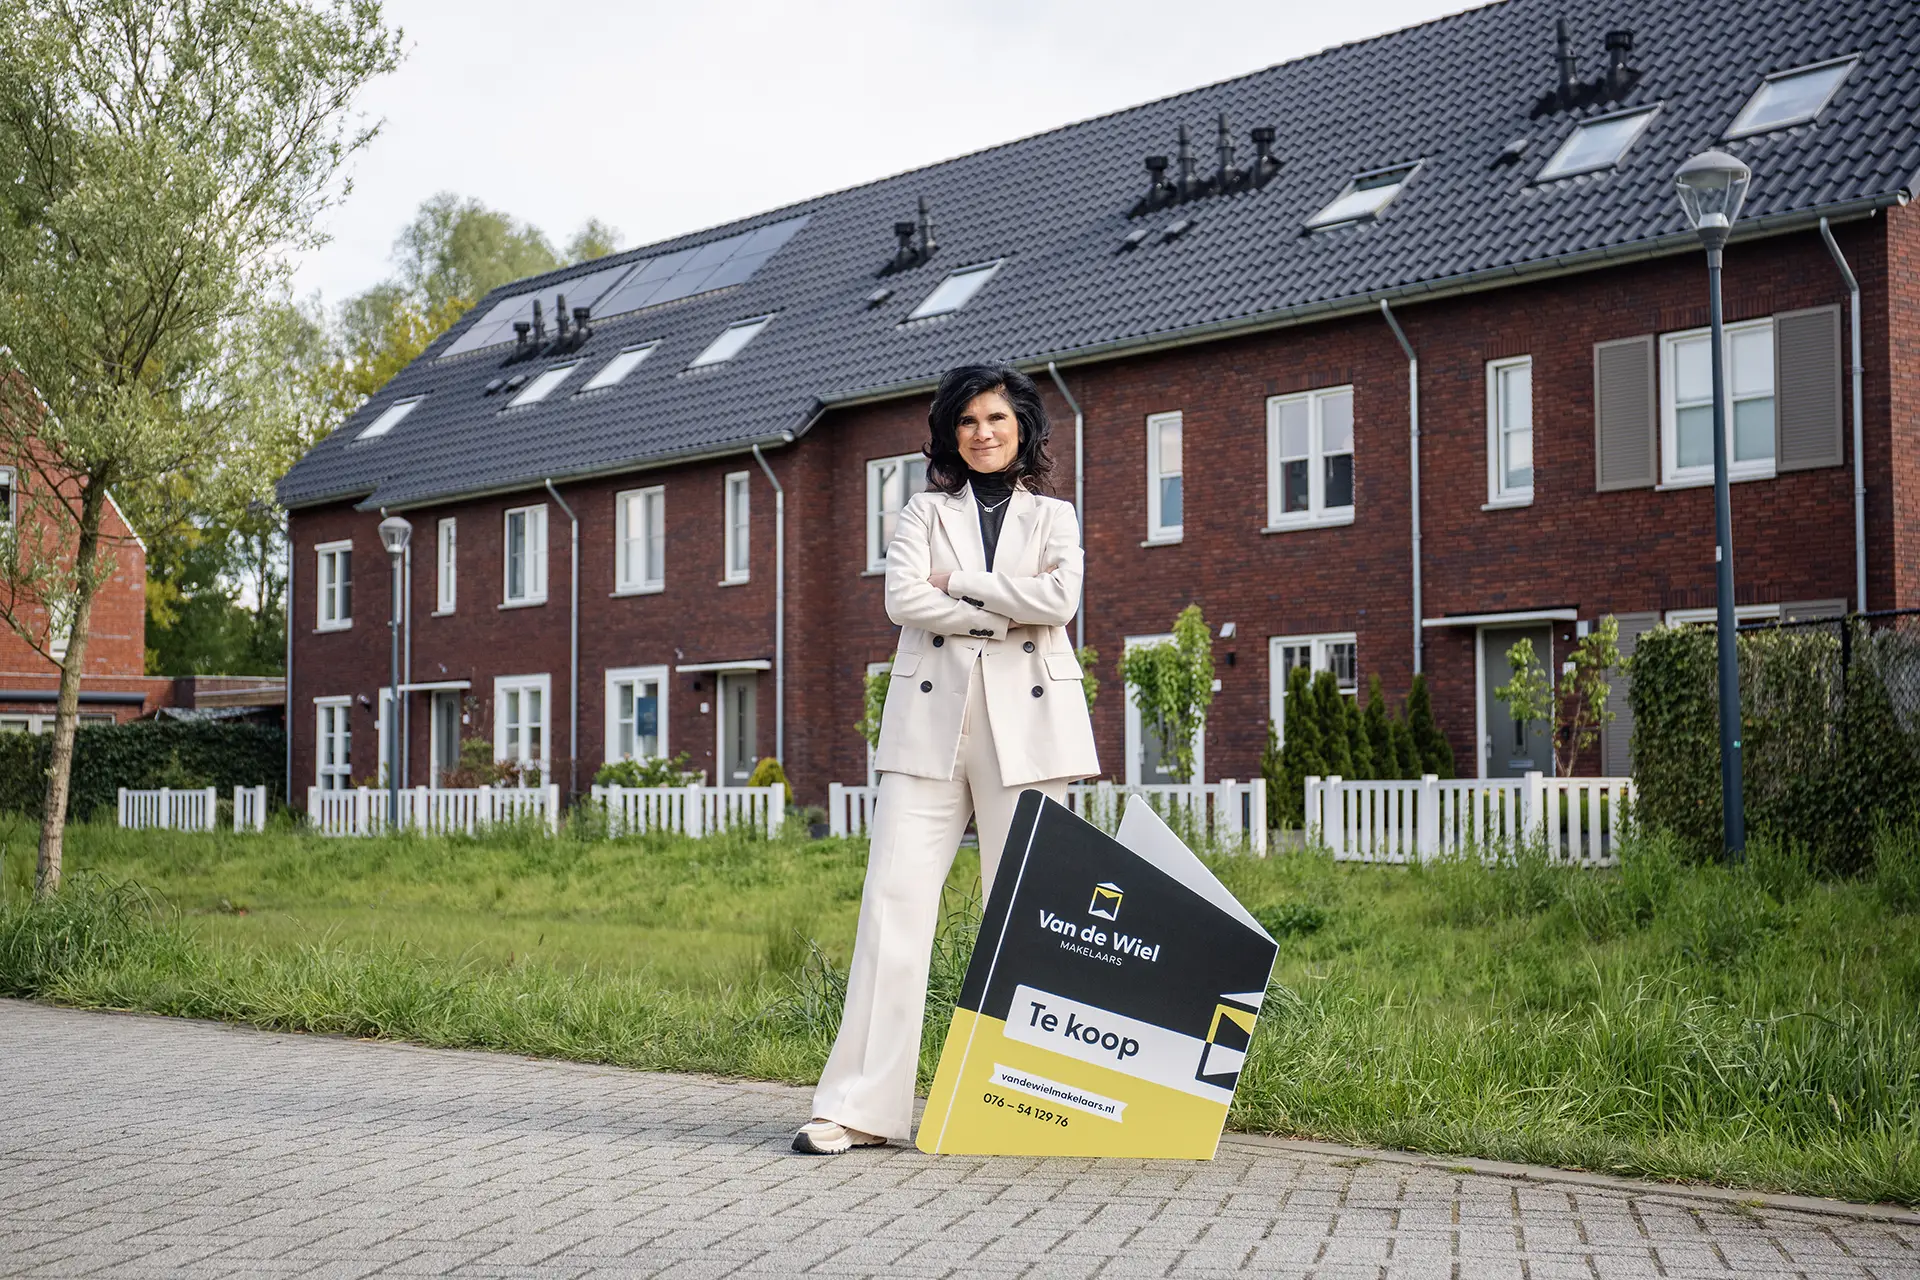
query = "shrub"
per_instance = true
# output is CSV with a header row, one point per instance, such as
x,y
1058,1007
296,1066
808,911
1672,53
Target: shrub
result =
x,y
655,771
768,773
1429,744
144,755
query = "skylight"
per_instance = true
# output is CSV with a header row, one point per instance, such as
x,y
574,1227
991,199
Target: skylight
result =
x,y
388,420
1364,197
731,342
496,327
543,384
685,272
956,291
1596,144
1790,97
620,366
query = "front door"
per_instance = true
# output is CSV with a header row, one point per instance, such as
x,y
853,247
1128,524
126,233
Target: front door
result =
x,y
1512,748
739,727
446,734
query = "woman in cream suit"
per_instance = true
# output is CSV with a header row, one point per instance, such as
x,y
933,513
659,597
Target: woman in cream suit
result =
x,y
985,700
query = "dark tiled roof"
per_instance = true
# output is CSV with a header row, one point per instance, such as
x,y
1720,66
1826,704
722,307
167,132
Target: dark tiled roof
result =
x,y
1450,94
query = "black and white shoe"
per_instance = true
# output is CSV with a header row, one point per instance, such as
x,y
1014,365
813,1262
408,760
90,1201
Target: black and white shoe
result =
x,y
825,1138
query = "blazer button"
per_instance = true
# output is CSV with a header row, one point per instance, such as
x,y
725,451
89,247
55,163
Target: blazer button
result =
x,y
1028,646
938,641
926,686
1037,691
975,603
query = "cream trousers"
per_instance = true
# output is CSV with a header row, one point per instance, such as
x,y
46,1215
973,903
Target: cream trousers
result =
x,y
917,825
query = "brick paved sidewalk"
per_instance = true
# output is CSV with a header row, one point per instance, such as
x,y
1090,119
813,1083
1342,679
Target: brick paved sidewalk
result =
x,y
133,1146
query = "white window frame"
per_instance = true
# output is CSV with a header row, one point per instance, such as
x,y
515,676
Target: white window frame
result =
x,y
341,772
522,685
389,418
651,576
956,289
873,754
617,676
534,580
736,515
624,362
1318,514
1673,475
436,743
1136,730
9,509
1319,652
877,512
1332,215
543,384
446,566
1499,494
382,706
727,347
1711,617
327,585
1549,172
1740,128
1158,528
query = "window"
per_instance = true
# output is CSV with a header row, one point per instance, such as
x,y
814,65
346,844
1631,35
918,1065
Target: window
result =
x,y
1165,496
526,555
520,725
1338,653
620,366
334,586
1596,144
956,291
1310,458
1711,617
8,482
1510,431
890,482
388,420
446,560
640,540
1790,97
543,385
443,733
383,704
333,744
1686,403
736,513
1364,197
636,713
731,342
59,629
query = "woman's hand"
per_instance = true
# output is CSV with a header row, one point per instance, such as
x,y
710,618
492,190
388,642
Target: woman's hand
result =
x,y
939,581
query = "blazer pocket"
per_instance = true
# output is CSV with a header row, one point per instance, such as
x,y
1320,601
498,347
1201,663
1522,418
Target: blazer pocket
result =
x,y
905,664
1063,666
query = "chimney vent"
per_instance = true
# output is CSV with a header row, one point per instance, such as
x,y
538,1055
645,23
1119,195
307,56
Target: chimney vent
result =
x,y
1183,186
539,322
928,245
560,314
1265,163
1569,88
581,329
1620,75
1228,176
521,328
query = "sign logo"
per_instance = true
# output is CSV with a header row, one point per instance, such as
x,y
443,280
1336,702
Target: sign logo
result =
x,y
1226,1048
1106,901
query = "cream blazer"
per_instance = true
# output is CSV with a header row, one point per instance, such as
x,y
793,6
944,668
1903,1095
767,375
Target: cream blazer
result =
x,y
1012,619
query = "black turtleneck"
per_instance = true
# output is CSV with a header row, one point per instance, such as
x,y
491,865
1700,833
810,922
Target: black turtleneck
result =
x,y
991,490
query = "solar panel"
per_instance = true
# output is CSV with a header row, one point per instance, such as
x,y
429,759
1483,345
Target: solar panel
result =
x,y
685,272
496,326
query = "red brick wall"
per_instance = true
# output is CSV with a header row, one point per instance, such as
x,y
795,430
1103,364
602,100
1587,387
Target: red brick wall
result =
x,y
1574,547
1893,402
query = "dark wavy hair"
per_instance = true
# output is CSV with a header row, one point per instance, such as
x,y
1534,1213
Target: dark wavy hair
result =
x,y
1032,464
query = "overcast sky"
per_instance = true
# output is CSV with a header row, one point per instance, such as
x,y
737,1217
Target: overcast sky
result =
x,y
665,118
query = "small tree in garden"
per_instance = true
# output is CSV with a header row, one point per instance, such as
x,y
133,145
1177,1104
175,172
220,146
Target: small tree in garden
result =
x,y
1359,749
1089,682
1273,769
1406,755
1576,708
1330,716
874,701
1300,757
1381,750
1435,753
1172,684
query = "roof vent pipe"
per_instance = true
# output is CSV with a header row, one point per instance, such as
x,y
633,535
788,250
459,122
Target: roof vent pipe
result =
x,y
581,329
560,314
927,243
1183,185
1159,190
1563,57
1620,76
1265,163
539,322
903,253
521,328
1228,177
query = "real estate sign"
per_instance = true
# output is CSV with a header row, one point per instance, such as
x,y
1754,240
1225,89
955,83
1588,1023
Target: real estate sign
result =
x,y
1109,1002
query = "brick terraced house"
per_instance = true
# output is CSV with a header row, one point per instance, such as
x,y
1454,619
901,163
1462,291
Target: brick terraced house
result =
x,y
1385,356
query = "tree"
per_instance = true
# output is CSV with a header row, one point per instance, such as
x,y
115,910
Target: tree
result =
x,y
1405,754
1301,756
1359,749
1434,751
595,239
1330,718
1172,683
164,162
1382,751
1574,710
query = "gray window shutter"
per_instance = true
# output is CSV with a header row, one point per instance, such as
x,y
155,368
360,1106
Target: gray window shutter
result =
x,y
1625,455
1616,736
1806,389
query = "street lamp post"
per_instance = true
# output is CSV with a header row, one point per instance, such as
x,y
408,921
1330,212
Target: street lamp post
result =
x,y
1711,187
395,533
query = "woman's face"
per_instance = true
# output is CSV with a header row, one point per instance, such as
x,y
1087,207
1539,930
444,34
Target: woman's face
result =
x,y
988,433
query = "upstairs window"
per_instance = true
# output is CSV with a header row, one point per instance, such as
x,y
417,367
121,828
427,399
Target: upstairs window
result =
x,y
526,555
1596,144
890,482
1166,497
956,291
731,342
620,366
1310,458
640,535
388,420
333,586
1364,197
1510,431
1790,97
736,514
445,559
1686,403
544,384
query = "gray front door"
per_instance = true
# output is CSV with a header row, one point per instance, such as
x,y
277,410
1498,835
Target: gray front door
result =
x,y
1513,748
739,727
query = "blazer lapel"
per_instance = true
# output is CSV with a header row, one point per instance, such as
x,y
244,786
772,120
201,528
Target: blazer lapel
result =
x,y
961,519
1016,533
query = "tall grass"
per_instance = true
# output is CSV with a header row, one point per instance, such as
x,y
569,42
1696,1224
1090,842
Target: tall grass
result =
x,y
1751,1025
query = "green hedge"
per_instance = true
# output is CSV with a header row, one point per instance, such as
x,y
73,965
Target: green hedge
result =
x,y
141,755
1822,764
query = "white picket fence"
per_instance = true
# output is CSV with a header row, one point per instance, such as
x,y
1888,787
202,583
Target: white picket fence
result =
x,y
693,810
197,809
250,808
362,811
1580,820
1224,814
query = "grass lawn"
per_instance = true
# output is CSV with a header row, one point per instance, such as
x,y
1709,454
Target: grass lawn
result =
x,y
1751,1026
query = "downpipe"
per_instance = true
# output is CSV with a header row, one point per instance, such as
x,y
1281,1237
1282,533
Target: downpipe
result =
x,y
1413,472
1079,495
1859,424
573,645
779,610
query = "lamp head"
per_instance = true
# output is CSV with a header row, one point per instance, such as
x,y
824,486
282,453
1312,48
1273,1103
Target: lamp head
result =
x,y
1711,187
395,533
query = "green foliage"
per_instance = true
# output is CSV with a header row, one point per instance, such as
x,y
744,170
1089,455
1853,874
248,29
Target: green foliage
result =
x,y
768,773
654,771
142,756
1330,724
1359,747
1406,755
1089,660
1273,767
1290,918
1303,754
873,703
1575,709
1429,744
1382,754
1172,682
